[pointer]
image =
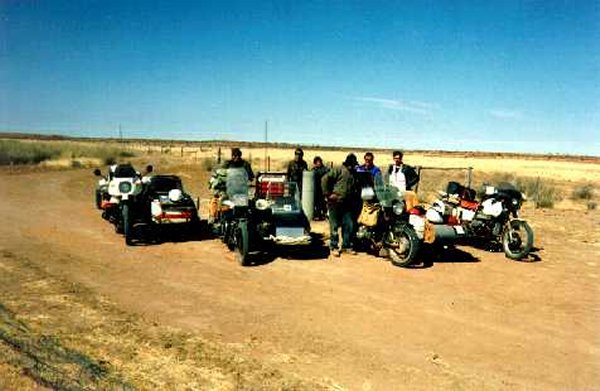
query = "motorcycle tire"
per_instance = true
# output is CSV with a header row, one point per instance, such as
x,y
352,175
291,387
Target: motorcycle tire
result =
x,y
98,199
405,238
127,226
242,245
517,239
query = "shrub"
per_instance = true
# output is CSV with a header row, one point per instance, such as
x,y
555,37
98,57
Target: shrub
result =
x,y
585,192
543,193
34,152
208,164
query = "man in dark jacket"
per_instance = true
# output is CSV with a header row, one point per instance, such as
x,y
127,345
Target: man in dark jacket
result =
x,y
339,188
402,176
237,162
296,167
319,170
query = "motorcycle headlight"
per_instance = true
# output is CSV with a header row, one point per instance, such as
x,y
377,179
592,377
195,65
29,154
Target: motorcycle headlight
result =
x,y
515,202
125,187
398,208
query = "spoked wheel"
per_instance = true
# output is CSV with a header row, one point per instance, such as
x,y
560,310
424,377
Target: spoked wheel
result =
x,y
402,244
127,226
242,245
517,239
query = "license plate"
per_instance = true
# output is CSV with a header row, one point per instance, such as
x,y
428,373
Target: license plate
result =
x,y
459,229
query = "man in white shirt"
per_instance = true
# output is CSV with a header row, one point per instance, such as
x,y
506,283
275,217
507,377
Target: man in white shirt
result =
x,y
402,176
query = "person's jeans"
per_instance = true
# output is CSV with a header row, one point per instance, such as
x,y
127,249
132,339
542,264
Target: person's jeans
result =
x,y
340,215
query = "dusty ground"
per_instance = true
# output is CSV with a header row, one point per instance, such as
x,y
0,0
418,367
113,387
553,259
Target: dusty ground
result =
x,y
472,320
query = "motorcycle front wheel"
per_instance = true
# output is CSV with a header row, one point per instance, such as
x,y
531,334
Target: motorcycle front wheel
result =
x,y
517,239
402,244
127,227
242,245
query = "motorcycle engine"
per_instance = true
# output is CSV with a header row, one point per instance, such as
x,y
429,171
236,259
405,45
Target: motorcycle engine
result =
x,y
364,233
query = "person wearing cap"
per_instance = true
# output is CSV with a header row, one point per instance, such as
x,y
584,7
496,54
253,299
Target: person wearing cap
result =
x,y
296,167
339,189
237,162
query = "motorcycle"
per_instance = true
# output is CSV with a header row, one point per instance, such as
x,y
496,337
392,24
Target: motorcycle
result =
x,y
493,220
273,216
385,226
118,192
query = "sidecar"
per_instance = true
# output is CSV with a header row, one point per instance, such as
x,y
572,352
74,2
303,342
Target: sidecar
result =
x,y
169,203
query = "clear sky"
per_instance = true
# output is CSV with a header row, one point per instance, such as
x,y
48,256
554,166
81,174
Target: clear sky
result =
x,y
519,76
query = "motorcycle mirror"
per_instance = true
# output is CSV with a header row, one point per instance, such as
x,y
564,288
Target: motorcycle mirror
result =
x,y
97,172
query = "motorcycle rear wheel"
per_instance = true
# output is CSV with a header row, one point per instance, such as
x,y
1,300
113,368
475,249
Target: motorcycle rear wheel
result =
x,y
517,239
402,244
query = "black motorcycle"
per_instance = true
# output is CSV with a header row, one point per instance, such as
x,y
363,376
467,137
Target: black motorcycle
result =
x,y
383,224
494,220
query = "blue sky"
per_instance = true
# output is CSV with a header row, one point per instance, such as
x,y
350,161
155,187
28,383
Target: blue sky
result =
x,y
519,76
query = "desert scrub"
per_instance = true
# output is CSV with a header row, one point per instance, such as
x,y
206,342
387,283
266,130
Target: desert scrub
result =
x,y
542,192
34,152
20,152
208,164
585,192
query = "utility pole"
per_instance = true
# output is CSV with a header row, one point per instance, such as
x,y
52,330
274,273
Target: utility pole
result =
x,y
266,145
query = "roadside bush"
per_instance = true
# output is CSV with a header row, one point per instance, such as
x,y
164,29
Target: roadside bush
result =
x,y
208,164
585,192
34,152
18,152
542,192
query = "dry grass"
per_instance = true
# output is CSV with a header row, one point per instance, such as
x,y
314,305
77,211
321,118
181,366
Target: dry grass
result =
x,y
65,336
60,153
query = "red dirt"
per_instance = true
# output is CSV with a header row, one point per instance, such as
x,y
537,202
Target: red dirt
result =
x,y
474,319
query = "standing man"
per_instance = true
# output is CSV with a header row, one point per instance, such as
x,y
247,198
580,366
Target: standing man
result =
x,y
237,162
338,186
369,166
296,167
319,170
402,176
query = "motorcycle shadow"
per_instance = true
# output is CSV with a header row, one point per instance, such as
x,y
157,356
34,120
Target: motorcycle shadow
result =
x,y
147,235
531,257
307,252
430,255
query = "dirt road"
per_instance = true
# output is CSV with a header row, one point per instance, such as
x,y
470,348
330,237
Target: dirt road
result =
x,y
472,320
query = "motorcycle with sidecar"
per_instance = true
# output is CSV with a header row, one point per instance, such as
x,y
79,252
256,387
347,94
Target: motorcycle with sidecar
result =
x,y
254,223
139,206
493,220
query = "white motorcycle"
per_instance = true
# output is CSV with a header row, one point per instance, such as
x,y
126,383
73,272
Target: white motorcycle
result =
x,y
116,194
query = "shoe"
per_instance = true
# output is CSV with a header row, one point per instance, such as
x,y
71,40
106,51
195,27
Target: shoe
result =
x,y
335,252
349,251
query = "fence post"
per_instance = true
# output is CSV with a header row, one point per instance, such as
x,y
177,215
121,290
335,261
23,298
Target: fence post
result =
x,y
219,156
419,181
469,176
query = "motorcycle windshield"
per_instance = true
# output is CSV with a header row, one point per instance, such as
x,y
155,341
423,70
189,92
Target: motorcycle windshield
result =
x,y
237,186
386,194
